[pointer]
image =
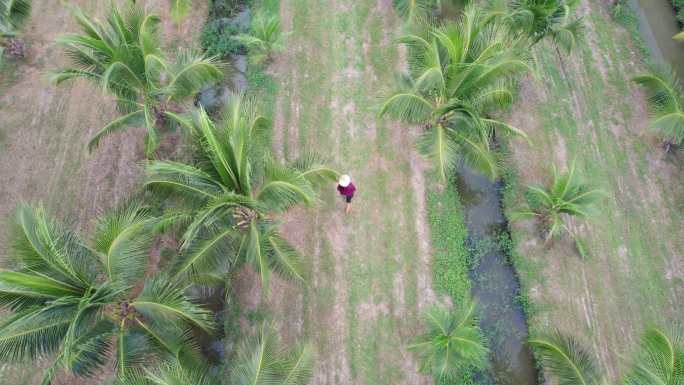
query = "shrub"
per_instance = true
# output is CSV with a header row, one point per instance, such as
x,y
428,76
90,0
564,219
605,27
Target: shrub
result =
x,y
217,38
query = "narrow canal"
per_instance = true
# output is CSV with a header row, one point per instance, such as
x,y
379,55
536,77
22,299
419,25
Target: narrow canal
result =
x,y
495,284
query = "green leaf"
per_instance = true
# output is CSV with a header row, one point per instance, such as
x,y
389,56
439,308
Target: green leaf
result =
x,y
566,359
129,119
162,300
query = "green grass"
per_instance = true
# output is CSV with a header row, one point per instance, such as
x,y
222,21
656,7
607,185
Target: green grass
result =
x,y
451,258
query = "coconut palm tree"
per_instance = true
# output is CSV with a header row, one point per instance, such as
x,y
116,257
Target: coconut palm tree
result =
x,y
459,74
539,19
453,342
83,305
566,197
260,360
233,196
566,359
124,56
13,13
660,358
264,37
666,102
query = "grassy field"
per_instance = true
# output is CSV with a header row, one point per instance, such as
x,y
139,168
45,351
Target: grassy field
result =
x,y
402,247
44,130
585,108
370,271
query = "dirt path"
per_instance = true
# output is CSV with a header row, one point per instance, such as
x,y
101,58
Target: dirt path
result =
x,y
370,271
44,130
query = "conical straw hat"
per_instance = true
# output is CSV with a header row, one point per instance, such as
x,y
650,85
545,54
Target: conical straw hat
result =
x,y
344,180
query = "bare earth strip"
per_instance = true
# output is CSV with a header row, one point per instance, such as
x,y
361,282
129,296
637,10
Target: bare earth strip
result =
x,y
45,129
370,270
593,113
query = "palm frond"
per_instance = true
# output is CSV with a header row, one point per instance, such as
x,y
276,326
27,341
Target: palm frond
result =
x,y
123,237
439,146
130,119
665,101
659,359
569,35
164,301
566,359
182,179
297,365
284,188
262,360
191,72
91,349
283,258
31,334
42,245
213,252
13,13
453,342
408,106
133,349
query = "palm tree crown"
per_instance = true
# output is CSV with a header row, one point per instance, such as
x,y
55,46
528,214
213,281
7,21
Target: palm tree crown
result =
x,y
539,19
666,101
453,342
567,196
79,303
123,55
459,73
232,196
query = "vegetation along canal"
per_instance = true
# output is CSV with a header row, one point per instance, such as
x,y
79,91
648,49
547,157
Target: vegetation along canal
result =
x,y
495,284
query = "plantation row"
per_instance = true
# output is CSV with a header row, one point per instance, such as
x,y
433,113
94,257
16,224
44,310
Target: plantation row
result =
x,y
93,306
461,73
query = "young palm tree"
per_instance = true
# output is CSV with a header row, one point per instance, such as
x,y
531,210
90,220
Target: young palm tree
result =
x,y
453,342
260,360
13,13
539,19
666,101
660,358
567,196
82,306
459,74
124,56
233,197
566,359
264,37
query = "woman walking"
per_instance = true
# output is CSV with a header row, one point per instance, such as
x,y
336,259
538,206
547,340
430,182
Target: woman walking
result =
x,y
346,189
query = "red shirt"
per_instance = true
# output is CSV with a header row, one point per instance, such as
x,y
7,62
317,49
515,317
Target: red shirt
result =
x,y
347,191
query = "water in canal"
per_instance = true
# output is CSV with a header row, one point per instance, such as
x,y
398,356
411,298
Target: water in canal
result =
x,y
658,25
495,284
